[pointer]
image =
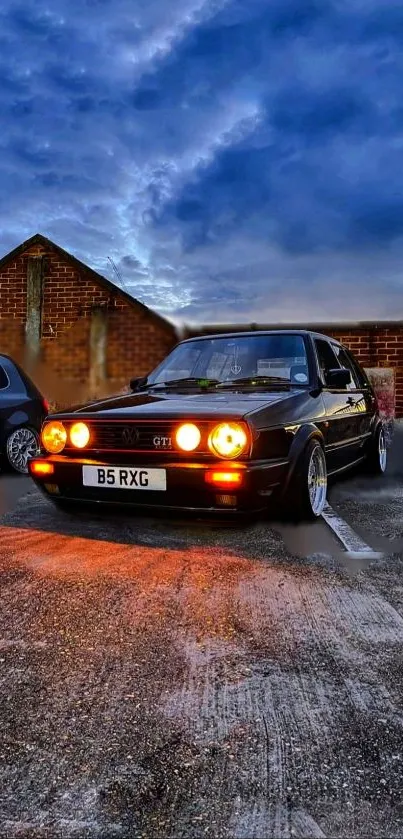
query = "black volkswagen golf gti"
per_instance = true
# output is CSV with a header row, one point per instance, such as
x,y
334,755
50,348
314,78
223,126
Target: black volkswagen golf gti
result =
x,y
226,422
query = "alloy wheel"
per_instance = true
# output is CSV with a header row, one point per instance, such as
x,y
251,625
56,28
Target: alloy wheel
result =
x,y
382,451
317,480
21,445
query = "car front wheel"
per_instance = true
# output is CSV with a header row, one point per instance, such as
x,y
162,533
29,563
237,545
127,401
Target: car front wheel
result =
x,y
307,494
22,444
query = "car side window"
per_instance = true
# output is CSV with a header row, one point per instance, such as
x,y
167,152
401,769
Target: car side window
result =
x,y
363,381
4,382
326,358
345,361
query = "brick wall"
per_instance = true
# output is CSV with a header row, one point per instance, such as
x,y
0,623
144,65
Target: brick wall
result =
x,y
374,344
377,346
136,341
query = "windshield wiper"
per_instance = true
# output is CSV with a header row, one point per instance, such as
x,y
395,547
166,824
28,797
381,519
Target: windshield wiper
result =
x,y
256,380
189,380
204,383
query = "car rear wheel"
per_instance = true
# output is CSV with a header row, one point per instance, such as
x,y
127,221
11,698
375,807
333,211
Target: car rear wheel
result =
x,y
307,494
22,444
377,460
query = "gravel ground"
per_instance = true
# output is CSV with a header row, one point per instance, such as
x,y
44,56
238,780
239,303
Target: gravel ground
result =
x,y
163,679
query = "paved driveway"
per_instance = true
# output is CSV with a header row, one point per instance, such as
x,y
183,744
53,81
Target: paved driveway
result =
x,y
167,679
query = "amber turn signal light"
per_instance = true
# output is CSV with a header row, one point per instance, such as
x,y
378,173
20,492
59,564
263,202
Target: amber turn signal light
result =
x,y
224,479
54,436
42,467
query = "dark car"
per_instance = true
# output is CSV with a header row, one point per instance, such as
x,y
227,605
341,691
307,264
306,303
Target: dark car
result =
x,y
226,422
22,412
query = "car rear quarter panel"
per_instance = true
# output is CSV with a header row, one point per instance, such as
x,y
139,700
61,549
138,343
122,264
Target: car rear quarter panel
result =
x,y
15,412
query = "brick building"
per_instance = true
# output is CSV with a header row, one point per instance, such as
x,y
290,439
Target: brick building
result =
x,y
79,334
376,345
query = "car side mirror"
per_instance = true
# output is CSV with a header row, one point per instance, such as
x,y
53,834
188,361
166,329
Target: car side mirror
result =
x,y
340,377
137,382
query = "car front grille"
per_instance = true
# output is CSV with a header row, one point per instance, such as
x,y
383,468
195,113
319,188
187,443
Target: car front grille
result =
x,y
126,436
144,437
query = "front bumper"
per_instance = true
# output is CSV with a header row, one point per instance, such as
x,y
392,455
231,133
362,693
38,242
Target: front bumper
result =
x,y
186,485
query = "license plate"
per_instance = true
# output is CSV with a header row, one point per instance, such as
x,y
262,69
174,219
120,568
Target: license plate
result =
x,y
124,477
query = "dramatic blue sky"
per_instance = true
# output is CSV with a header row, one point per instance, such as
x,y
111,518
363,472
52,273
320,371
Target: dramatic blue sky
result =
x,y
237,159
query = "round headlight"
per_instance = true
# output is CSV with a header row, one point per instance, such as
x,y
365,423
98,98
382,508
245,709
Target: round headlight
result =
x,y
79,435
54,437
228,439
188,437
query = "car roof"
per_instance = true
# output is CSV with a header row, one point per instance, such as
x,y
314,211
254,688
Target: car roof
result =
x,y
18,376
254,332
6,358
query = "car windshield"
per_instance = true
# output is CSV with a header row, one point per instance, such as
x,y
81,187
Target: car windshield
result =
x,y
279,357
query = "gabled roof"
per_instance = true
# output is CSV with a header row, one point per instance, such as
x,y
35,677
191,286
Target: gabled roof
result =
x,y
85,270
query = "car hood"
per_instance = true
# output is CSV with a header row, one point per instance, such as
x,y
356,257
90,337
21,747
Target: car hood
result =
x,y
186,405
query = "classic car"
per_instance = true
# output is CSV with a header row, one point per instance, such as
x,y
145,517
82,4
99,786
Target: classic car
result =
x,y
226,422
22,411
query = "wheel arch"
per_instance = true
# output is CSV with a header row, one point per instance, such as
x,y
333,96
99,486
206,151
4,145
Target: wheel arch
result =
x,y
388,429
17,418
307,432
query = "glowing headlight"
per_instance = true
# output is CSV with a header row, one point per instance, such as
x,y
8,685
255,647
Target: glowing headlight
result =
x,y
188,437
228,439
79,435
54,437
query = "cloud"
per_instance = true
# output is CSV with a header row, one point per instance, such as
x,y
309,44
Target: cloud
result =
x,y
235,160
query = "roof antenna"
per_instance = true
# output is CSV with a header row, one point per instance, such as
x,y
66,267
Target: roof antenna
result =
x,y
119,276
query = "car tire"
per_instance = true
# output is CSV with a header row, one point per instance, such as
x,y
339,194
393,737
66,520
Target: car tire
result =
x,y
21,444
306,497
377,458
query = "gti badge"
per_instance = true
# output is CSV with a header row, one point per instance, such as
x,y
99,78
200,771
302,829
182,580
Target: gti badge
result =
x,y
162,442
